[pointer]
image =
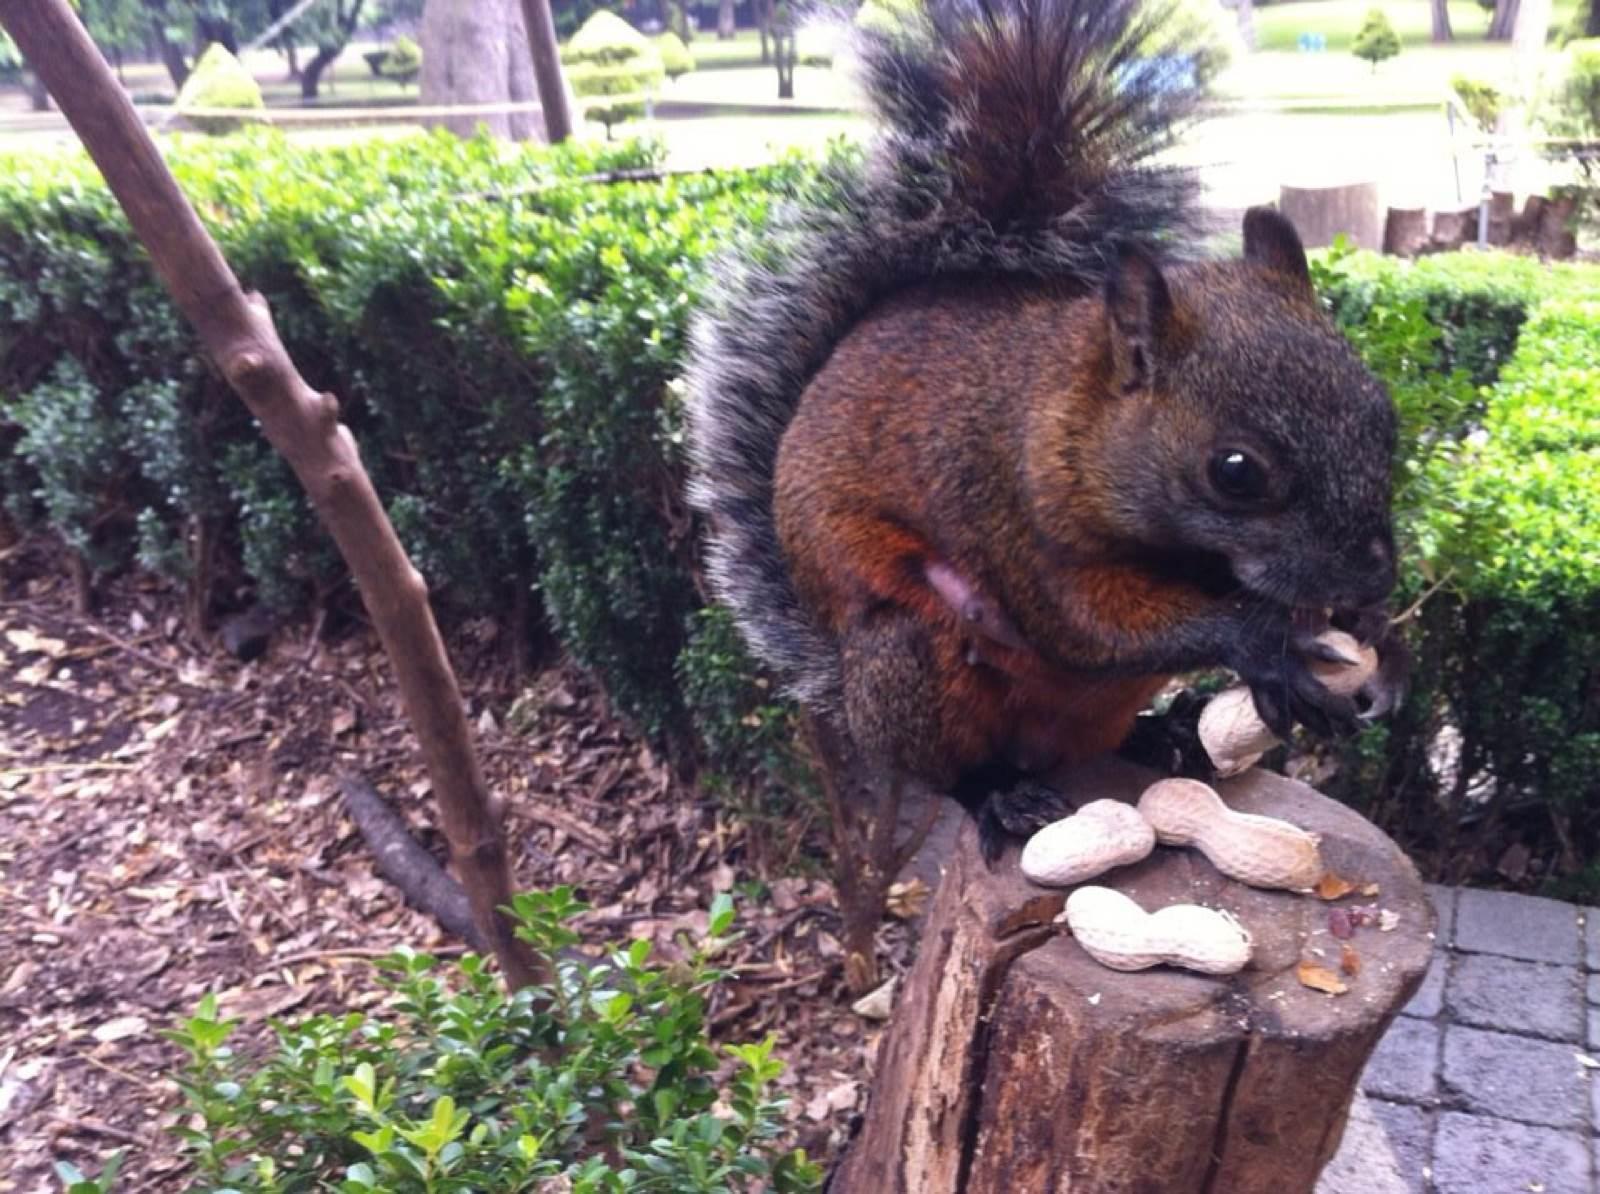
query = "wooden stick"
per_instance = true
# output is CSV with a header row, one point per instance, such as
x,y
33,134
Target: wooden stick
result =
x,y
239,335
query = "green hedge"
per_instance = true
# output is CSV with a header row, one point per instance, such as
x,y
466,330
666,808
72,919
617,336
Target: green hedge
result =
x,y
504,364
1500,512
507,365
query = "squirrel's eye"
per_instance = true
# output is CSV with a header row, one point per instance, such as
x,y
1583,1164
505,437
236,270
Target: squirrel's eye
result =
x,y
1238,475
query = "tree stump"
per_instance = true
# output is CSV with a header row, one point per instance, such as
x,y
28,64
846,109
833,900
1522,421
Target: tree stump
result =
x,y
1015,1062
1453,229
1321,213
1405,231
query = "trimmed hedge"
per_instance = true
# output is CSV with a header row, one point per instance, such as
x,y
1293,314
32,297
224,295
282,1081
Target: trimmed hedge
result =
x,y
1500,509
507,365
504,364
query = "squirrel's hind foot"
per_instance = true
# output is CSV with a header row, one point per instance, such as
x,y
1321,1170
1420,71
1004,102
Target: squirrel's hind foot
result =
x,y
1016,813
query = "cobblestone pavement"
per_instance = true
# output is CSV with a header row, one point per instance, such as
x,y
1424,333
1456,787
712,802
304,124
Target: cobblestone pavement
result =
x,y
1484,1084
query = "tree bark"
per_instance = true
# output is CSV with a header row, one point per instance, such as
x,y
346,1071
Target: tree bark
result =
x,y
173,57
541,33
1591,25
311,73
303,425
1015,1062
726,20
1246,14
479,52
1441,21
38,93
1504,20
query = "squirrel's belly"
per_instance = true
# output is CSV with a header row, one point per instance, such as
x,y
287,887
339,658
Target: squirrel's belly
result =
x,y
1068,718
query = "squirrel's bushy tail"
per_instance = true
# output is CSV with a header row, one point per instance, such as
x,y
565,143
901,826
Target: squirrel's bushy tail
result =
x,y
1014,137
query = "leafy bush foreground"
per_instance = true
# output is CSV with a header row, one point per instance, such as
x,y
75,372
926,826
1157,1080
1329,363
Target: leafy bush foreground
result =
x,y
602,1082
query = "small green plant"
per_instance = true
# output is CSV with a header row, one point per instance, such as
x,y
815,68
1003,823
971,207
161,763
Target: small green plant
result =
x,y
1376,41
1573,115
602,1082
403,62
610,59
676,58
219,80
74,1182
1482,101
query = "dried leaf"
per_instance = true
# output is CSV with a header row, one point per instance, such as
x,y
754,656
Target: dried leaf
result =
x,y
1320,978
122,1026
1339,924
1369,889
1332,886
1349,960
908,899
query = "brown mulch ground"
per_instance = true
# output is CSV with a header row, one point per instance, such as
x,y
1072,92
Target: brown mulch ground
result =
x,y
170,825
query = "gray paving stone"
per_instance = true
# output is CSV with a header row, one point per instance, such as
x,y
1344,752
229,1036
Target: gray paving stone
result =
x,y
1473,1154
1517,926
1409,1132
1429,999
1444,903
1404,1064
1384,1150
1591,937
1512,996
1594,1032
1594,988
1496,1073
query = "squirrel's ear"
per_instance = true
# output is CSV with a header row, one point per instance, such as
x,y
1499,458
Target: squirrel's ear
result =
x,y
1138,306
1271,241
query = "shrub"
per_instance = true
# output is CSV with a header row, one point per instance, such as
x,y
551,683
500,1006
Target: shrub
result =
x,y
608,57
1376,41
403,61
505,365
602,1082
1482,101
676,58
1497,504
219,81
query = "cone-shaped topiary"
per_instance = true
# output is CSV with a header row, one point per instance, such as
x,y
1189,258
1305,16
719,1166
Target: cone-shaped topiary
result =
x,y
219,80
609,57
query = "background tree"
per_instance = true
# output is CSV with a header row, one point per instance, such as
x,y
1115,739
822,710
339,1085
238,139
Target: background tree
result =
x,y
476,52
1503,18
1377,40
727,25
1441,21
329,26
1245,11
1591,24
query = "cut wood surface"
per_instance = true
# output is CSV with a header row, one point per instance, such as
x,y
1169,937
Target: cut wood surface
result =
x,y
1016,1062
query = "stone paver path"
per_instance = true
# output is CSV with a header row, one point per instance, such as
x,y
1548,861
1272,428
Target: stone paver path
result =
x,y
1485,1083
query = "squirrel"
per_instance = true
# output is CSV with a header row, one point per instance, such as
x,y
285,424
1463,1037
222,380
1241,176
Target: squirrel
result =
x,y
987,457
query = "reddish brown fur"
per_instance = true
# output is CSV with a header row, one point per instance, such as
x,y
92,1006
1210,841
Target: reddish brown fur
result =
x,y
921,440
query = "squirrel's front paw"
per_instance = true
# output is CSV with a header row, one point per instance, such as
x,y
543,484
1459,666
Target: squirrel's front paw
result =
x,y
1389,682
1286,689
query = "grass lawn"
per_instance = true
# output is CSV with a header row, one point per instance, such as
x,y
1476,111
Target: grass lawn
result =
x,y
1279,26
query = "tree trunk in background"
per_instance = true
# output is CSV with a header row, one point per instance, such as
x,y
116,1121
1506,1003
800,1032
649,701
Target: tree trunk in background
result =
x,y
220,30
1245,10
1591,27
311,75
764,24
539,37
1441,21
1528,38
177,65
726,22
38,93
521,87
1504,20
467,48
